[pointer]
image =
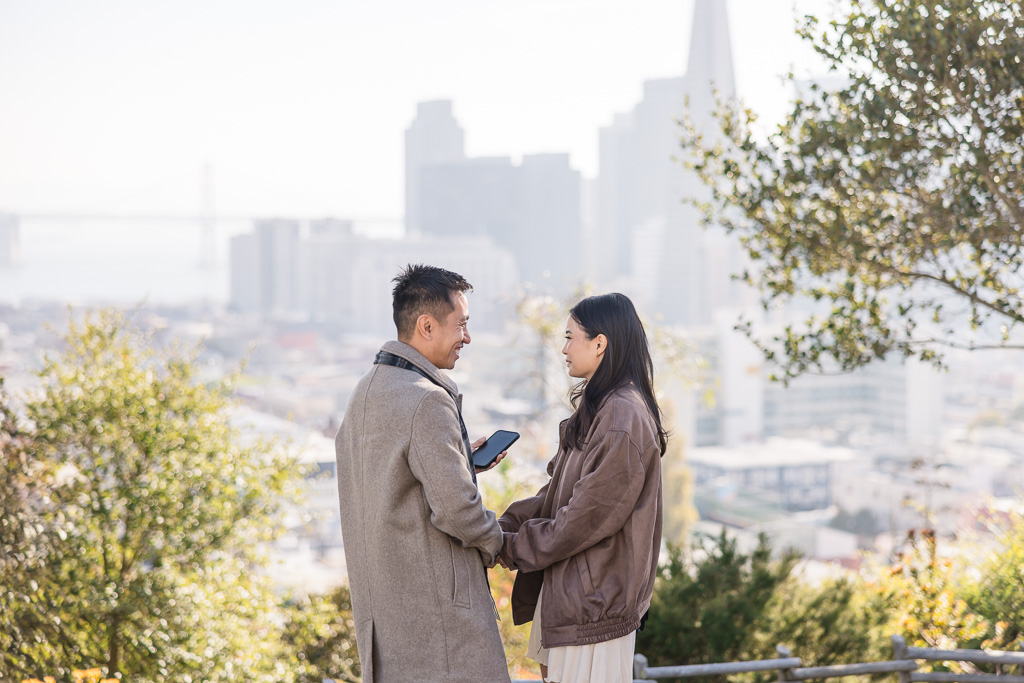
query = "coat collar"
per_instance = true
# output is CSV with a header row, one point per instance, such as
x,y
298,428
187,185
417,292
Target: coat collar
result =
x,y
410,354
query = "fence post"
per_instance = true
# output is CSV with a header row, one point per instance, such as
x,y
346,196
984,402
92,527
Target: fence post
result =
x,y
783,653
640,667
899,652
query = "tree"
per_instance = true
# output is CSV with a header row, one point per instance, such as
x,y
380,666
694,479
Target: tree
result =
x,y
925,595
998,592
679,512
679,366
708,604
322,632
155,515
896,200
29,629
720,604
835,621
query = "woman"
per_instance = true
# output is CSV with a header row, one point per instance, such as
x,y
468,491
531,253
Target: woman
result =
x,y
586,546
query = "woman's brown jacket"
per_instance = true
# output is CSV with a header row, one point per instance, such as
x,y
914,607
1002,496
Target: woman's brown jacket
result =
x,y
592,534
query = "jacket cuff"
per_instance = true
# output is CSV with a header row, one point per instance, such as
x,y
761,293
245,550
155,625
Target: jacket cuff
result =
x,y
507,549
492,548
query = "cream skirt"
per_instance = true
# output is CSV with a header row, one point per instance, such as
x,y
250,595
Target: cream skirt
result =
x,y
607,662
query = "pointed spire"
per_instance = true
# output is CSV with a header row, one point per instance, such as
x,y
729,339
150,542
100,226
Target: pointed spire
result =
x,y
710,58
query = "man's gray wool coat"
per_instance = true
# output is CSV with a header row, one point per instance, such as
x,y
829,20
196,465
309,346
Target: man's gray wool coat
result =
x,y
416,532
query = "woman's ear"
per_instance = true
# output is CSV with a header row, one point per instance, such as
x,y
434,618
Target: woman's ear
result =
x,y
602,344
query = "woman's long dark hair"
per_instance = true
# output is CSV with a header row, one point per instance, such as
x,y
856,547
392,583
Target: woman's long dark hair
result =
x,y
627,359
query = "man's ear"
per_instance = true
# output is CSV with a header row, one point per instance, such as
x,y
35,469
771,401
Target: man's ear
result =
x,y
602,344
425,326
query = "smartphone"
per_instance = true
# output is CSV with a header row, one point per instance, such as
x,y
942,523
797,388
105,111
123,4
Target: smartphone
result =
x,y
497,443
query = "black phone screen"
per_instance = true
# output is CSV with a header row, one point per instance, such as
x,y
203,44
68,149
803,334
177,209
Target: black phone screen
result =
x,y
498,442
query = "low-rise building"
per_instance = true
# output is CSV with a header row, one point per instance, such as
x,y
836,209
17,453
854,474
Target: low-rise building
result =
x,y
796,474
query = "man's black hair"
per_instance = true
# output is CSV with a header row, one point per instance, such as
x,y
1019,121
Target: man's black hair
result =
x,y
423,289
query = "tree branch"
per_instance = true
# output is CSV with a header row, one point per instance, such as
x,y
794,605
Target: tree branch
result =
x,y
974,298
1015,210
961,345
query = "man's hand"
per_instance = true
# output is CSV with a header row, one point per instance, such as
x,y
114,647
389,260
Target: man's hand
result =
x,y
476,446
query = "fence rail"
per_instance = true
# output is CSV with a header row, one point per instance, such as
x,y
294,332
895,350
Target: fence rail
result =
x,y
903,663
690,670
974,656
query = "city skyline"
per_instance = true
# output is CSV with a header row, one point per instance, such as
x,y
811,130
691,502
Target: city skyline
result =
x,y
117,107
531,212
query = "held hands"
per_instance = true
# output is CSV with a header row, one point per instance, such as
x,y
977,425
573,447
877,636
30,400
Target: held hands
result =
x,y
501,558
498,560
476,445
501,553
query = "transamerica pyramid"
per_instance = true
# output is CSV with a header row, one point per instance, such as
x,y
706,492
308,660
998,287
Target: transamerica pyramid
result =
x,y
650,242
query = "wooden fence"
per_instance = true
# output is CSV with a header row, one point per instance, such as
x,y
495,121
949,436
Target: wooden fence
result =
x,y
903,664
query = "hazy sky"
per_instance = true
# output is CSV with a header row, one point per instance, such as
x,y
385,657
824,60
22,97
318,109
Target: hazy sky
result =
x,y
301,107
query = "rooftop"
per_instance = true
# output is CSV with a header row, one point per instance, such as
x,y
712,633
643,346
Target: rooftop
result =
x,y
774,452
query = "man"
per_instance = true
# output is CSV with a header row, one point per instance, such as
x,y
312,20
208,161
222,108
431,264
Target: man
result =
x,y
417,536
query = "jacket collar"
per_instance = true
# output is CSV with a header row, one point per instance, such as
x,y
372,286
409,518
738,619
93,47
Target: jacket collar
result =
x,y
410,354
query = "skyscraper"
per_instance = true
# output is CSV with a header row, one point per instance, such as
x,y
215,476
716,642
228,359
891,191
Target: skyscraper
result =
x,y
10,240
643,186
710,59
326,261
489,268
265,268
638,179
244,264
323,272
278,241
433,138
549,242
472,198
531,209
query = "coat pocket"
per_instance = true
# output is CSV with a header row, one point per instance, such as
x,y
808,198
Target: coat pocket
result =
x,y
583,569
460,577
366,647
